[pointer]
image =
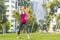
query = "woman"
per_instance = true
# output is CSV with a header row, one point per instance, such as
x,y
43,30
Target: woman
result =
x,y
23,21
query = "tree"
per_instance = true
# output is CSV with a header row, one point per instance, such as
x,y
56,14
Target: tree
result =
x,y
51,8
33,26
7,25
29,16
15,14
24,2
57,20
3,18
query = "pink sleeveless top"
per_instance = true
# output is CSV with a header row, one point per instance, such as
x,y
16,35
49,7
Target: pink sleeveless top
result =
x,y
22,17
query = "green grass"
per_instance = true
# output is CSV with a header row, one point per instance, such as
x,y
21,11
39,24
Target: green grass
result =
x,y
33,36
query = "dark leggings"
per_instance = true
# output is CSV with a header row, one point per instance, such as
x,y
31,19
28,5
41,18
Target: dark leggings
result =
x,y
26,27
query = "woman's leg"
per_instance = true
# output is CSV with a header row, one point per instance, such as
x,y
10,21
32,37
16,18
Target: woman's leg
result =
x,y
19,30
26,28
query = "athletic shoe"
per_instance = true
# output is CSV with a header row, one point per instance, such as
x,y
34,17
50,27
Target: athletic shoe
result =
x,y
28,36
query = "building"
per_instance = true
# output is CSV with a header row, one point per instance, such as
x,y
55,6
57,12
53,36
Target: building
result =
x,y
11,5
38,11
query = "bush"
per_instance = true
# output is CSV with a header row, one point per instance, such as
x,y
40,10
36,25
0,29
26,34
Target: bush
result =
x,y
35,27
7,26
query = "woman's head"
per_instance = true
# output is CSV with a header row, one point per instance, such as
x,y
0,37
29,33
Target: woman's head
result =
x,y
22,8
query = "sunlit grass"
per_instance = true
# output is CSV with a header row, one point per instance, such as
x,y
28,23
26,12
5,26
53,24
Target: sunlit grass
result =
x,y
33,36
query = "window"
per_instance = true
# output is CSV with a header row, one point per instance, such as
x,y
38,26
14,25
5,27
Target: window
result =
x,y
12,6
7,10
12,1
11,25
12,20
7,6
7,15
6,0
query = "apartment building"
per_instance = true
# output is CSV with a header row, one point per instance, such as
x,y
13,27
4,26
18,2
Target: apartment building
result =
x,y
11,5
38,10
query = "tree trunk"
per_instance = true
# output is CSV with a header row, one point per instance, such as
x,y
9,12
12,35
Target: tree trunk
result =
x,y
32,26
3,29
51,29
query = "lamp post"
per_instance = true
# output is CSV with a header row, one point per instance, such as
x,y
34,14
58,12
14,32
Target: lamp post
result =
x,y
15,25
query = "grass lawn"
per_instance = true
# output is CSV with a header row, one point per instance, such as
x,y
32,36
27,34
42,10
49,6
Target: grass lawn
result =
x,y
33,36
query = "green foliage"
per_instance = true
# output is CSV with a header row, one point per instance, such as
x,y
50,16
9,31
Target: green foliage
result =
x,y
57,19
15,14
1,2
35,28
51,5
3,18
7,25
49,15
23,2
31,19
